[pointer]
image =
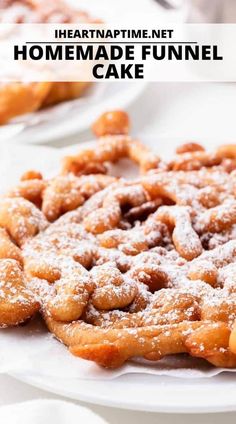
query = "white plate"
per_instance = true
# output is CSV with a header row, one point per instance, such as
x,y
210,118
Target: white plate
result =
x,y
131,391
147,392
69,118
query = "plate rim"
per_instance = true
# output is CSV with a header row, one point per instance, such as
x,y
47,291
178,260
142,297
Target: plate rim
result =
x,y
125,403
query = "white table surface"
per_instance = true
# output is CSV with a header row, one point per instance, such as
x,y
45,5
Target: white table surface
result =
x,y
188,111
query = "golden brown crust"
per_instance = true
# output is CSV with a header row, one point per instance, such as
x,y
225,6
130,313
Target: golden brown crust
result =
x,y
112,123
189,147
143,267
17,301
110,149
31,175
112,348
8,249
21,219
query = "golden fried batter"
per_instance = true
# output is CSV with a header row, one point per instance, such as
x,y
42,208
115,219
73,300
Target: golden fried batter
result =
x,y
124,268
17,302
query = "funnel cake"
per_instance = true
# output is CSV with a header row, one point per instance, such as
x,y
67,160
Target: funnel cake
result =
x,y
20,98
124,268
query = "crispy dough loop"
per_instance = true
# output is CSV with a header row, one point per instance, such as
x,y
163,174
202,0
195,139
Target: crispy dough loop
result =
x,y
153,275
70,296
192,156
189,147
112,123
203,270
113,290
109,214
17,302
195,160
125,240
226,151
31,175
8,249
161,308
21,219
186,241
60,194
30,189
65,193
219,309
133,241
218,218
110,149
